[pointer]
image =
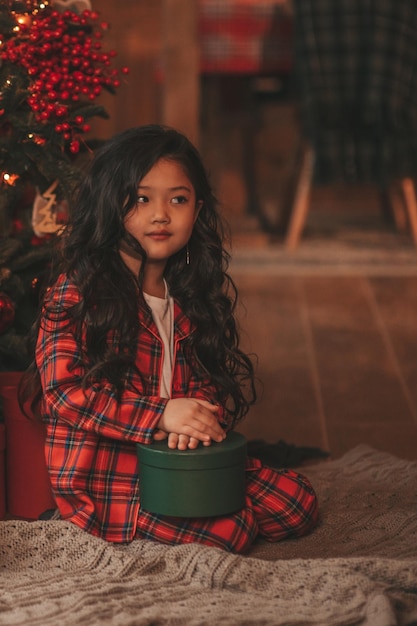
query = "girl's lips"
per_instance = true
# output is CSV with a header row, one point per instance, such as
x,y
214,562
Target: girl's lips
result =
x,y
159,235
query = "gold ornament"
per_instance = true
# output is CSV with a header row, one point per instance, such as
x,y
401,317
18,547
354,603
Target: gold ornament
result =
x,y
45,212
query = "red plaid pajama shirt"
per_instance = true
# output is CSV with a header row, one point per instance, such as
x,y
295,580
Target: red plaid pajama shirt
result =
x,y
91,438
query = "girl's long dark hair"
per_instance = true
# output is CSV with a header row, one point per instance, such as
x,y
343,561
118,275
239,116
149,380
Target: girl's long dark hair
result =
x,y
88,252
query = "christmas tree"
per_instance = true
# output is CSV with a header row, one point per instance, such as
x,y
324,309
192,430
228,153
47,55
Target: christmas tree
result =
x,y
52,70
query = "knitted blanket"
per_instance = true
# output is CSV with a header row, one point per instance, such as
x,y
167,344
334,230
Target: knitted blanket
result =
x,y
358,567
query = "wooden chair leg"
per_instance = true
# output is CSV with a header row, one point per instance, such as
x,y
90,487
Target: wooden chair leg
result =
x,y
410,200
299,209
394,199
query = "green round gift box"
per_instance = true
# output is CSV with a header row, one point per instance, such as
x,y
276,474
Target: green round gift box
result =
x,y
208,481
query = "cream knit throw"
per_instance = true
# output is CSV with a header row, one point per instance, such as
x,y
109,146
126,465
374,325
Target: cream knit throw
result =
x,y
358,567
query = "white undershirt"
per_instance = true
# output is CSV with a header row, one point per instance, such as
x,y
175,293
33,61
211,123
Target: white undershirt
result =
x,y
163,316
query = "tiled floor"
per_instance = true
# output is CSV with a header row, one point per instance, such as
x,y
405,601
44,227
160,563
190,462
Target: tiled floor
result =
x,y
334,327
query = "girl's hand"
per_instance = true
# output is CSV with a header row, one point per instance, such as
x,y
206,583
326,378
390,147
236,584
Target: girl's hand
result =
x,y
182,442
159,435
196,419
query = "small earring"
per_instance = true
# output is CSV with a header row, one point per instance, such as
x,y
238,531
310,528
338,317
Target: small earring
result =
x,y
187,256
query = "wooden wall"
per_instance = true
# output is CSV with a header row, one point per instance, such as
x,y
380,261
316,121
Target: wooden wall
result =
x,y
157,40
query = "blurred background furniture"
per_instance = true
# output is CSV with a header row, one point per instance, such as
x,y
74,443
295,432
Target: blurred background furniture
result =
x,y
246,50
355,66
250,37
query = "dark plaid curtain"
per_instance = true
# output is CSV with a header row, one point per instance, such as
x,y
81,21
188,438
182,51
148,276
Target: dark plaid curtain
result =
x,y
356,72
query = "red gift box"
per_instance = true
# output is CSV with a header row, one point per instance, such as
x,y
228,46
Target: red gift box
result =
x,y
2,471
28,490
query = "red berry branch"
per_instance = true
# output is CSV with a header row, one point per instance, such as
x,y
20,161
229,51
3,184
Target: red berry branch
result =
x,y
63,57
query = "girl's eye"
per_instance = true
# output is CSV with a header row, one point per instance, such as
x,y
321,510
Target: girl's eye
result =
x,y
180,200
142,199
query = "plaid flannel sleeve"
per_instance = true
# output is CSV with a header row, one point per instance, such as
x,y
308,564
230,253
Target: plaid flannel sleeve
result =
x,y
96,408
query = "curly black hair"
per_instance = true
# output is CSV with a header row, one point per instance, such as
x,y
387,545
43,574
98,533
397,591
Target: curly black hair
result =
x,y
88,252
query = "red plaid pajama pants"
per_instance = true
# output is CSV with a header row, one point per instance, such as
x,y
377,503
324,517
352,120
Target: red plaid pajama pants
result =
x,y
279,504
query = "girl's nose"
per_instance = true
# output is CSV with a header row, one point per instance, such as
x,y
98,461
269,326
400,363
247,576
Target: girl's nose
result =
x,y
160,213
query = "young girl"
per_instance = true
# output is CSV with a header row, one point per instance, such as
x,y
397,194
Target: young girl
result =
x,y
137,342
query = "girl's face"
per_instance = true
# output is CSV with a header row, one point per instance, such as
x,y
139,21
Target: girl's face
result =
x,y
163,218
